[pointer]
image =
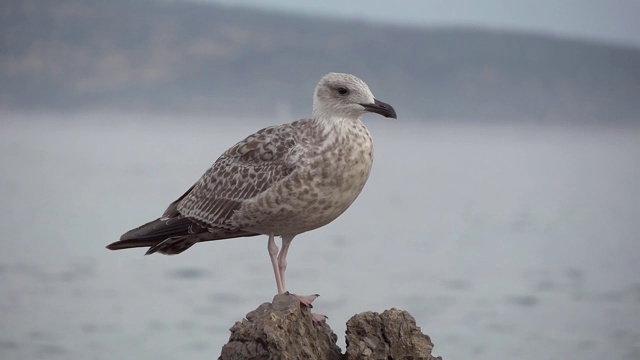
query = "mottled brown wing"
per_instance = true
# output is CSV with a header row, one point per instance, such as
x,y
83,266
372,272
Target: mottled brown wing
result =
x,y
244,171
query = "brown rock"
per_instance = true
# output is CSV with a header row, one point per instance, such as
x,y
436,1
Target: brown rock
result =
x,y
391,335
284,329
281,330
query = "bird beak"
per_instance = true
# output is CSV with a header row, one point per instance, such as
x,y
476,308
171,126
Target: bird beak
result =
x,y
381,108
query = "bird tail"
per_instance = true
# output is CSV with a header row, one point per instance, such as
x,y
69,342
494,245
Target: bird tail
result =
x,y
172,236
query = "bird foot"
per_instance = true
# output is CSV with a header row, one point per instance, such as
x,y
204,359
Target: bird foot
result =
x,y
305,300
319,318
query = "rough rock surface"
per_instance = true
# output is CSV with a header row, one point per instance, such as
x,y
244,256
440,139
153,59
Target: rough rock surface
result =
x,y
390,335
284,329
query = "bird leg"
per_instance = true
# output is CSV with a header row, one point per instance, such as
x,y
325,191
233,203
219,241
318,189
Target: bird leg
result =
x,y
279,263
305,300
282,257
273,253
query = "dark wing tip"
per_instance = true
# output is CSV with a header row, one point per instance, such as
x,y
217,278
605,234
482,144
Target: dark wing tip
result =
x,y
155,232
128,244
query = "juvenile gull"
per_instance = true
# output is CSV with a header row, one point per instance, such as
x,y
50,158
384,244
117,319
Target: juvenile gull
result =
x,y
281,181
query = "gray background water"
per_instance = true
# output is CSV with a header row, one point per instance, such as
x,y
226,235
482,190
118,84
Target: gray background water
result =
x,y
503,241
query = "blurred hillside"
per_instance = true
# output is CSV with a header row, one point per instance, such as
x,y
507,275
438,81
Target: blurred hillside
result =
x,y
189,57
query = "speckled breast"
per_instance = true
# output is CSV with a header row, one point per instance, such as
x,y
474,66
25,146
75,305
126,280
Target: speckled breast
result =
x,y
324,185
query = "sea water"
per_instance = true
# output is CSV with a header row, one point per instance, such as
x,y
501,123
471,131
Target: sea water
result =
x,y
504,241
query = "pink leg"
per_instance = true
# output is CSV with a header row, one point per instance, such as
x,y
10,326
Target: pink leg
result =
x,y
282,258
305,300
273,253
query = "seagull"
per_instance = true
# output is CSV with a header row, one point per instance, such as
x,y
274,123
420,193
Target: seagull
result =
x,y
283,180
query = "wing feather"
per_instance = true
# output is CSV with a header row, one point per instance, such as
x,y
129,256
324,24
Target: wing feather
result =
x,y
246,170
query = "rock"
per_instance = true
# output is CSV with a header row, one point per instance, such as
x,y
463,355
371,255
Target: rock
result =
x,y
284,329
390,335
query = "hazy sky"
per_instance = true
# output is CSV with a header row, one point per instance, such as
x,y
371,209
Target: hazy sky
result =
x,y
615,20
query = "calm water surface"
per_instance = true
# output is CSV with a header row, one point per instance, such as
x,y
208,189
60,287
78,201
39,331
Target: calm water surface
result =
x,y
503,241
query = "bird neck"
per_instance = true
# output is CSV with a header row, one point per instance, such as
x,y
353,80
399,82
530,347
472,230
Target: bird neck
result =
x,y
330,129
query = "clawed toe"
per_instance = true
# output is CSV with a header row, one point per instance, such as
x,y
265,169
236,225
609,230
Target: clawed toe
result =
x,y
319,318
306,300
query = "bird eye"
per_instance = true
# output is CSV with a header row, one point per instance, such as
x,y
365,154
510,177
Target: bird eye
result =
x,y
343,91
